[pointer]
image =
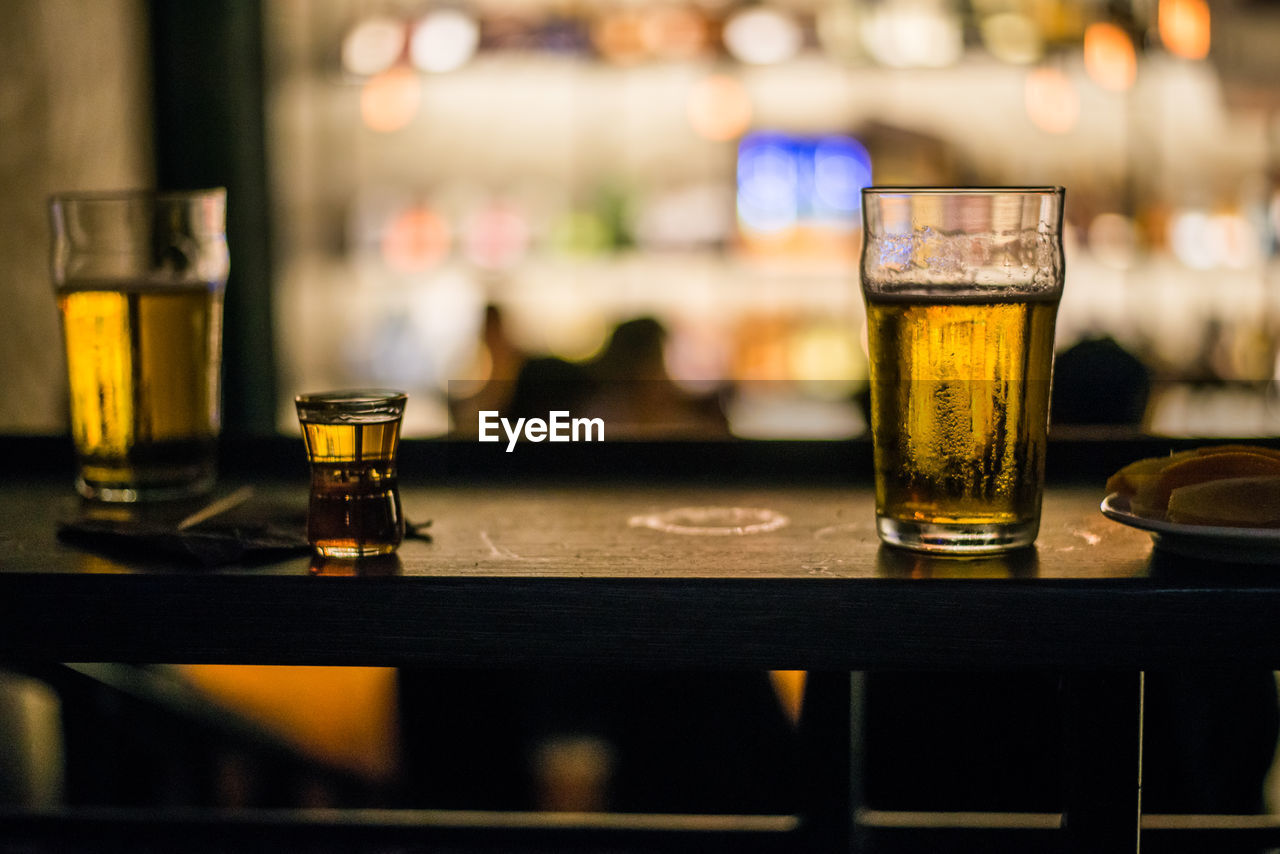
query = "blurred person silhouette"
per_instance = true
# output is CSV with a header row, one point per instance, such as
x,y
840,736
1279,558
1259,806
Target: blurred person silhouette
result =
x,y
1097,381
632,391
548,383
503,362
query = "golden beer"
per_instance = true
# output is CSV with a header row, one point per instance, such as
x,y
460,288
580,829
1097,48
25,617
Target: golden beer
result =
x,y
962,286
139,277
143,369
354,508
959,411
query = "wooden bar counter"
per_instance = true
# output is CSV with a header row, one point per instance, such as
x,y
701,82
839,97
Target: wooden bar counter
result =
x,y
596,574
689,564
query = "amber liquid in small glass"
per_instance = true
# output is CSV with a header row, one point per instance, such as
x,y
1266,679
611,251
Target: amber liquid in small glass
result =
x,y
355,497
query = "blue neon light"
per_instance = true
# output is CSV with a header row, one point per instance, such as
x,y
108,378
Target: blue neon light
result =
x,y
784,180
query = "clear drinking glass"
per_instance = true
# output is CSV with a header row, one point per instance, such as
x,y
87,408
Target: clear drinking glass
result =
x,y
962,289
351,441
139,277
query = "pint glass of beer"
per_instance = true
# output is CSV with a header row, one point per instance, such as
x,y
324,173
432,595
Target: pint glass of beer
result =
x,y
351,441
139,278
962,289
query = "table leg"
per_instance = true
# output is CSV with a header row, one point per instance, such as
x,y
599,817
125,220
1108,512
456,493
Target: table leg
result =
x,y
826,736
1102,761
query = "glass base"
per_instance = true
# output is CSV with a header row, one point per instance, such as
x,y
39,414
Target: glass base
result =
x,y
123,493
957,539
349,552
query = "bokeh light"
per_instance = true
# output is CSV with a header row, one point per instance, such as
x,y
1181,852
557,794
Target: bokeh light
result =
x,y
443,40
913,34
1184,27
826,360
1012,37
768,183
619,35
761,350
673,32
579,232
761,35
838,27
1236,240
1053,105
557,321
1113,240
719,108
689,216
373,45
697,353
841,168
783,179
1109,58
416,240
1207,241
1190,240
496,237
390,100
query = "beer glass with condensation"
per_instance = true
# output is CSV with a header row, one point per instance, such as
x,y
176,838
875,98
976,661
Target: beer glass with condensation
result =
x,y
962,289
139,277
351,442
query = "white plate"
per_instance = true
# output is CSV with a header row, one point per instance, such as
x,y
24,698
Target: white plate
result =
x,y
1214,542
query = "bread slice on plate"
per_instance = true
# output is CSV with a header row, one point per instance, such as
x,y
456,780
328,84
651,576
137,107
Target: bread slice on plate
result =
x,y
1152,496
1248,502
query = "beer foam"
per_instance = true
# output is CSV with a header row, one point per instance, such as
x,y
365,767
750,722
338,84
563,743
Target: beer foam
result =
x,y
1023,260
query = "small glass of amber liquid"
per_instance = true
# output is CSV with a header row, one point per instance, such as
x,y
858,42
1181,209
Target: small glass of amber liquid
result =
x,y
351,440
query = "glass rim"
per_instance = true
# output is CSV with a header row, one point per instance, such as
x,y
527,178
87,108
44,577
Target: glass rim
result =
x,y
135,194
350,395
920,190
355,401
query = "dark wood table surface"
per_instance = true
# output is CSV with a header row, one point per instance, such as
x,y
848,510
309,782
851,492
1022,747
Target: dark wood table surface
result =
x,y
585,574
517,575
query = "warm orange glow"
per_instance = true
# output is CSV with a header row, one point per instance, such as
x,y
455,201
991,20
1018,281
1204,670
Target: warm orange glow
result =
x,y
417,240
345,716
1109,58
788,686
389,101
673,32
719,108
619,37
1184,27
1052,102
761,349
